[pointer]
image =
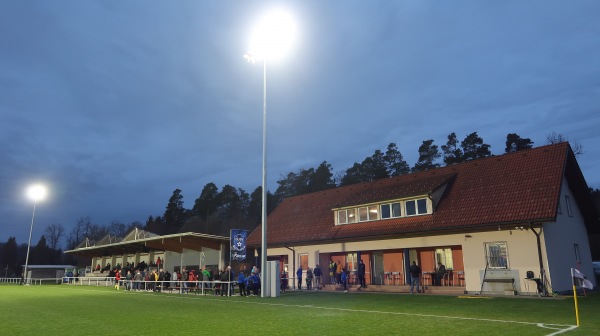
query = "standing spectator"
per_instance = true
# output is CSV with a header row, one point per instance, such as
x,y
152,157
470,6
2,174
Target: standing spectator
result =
x,y
241,283
224,277
176,276
299,277
361,274
441,271
415,273
154,278
332,268
317,273
158,262
343,278
137,278
309,278
338,271
255,283
167,282
117,279
128,278
284,281
248,285
184,281
191,279
205,278
161,278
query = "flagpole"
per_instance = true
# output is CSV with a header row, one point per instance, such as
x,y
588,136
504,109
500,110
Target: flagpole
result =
x,y
576,307
575,298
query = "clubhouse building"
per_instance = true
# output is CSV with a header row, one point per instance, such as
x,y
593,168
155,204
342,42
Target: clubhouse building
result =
x,y
513,223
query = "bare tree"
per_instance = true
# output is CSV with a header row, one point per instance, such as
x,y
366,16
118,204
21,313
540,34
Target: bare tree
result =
x,y
554,138
80,230
54,232
133,225
117,229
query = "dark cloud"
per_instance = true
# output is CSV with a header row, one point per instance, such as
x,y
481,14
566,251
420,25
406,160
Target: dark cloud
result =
x,y
115,105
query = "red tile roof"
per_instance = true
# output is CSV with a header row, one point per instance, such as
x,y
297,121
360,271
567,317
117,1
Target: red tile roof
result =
x,y
518,187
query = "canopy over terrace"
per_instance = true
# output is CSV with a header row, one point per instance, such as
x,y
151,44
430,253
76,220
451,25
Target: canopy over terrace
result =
x,y
139,241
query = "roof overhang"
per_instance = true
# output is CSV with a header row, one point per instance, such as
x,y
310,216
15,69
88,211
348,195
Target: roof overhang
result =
x,y
174,242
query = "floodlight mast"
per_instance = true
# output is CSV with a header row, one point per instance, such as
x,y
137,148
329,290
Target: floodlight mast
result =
x,y
36,193
272,38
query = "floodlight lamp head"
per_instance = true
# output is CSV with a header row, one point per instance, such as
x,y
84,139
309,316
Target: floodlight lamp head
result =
x,y
37,192
274,35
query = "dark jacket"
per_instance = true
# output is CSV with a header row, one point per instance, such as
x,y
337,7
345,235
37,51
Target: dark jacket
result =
x,y
415,271
361,269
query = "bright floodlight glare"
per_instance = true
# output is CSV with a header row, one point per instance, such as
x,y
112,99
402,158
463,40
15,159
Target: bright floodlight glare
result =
x,y
37,192
273,36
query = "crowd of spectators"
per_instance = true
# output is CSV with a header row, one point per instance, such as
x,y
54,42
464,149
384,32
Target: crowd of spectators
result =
x,y
222,282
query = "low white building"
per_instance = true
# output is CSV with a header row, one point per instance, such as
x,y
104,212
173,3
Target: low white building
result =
x,y
170,252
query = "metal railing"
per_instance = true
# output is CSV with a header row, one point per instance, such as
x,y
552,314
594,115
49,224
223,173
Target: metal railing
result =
x,y
10,281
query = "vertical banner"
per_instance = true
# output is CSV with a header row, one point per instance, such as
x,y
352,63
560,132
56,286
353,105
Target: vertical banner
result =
x,y
238,244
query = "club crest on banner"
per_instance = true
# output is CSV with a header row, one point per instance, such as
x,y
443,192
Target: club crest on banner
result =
x,y
238,244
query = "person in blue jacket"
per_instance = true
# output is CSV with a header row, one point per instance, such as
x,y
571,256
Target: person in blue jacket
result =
x,y
255,279
247,283
343,279
299,276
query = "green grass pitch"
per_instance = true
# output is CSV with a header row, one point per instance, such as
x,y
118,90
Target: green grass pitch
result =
x,y
81,310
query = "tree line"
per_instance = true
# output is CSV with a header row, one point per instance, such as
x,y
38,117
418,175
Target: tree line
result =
x,y
217,211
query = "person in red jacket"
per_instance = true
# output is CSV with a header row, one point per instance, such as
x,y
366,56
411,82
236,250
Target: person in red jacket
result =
x,y
117,279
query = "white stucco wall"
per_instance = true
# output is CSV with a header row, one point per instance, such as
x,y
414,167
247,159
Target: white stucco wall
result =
x,y
521,245
559,242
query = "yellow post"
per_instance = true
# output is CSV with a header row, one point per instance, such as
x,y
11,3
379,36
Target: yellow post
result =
x,y
576,308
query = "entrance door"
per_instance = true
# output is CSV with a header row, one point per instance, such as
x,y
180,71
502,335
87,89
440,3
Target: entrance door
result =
x,y
377,276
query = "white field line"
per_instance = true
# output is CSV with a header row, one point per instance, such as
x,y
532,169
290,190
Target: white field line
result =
x,y
559,328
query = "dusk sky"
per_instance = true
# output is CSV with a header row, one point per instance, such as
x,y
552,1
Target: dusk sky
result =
x,y
115,104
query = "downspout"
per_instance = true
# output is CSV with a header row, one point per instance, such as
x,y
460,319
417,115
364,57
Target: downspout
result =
x,y
539,248
294,259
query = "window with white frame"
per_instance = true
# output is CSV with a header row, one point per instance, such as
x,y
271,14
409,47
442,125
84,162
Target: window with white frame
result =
x,y
391,210
416,207
368,213
346,216
496,255
363,214
351,215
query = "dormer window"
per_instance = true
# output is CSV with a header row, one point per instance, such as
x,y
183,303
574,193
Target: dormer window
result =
x,y
410,207
368,213
416,207
391,210
346,216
